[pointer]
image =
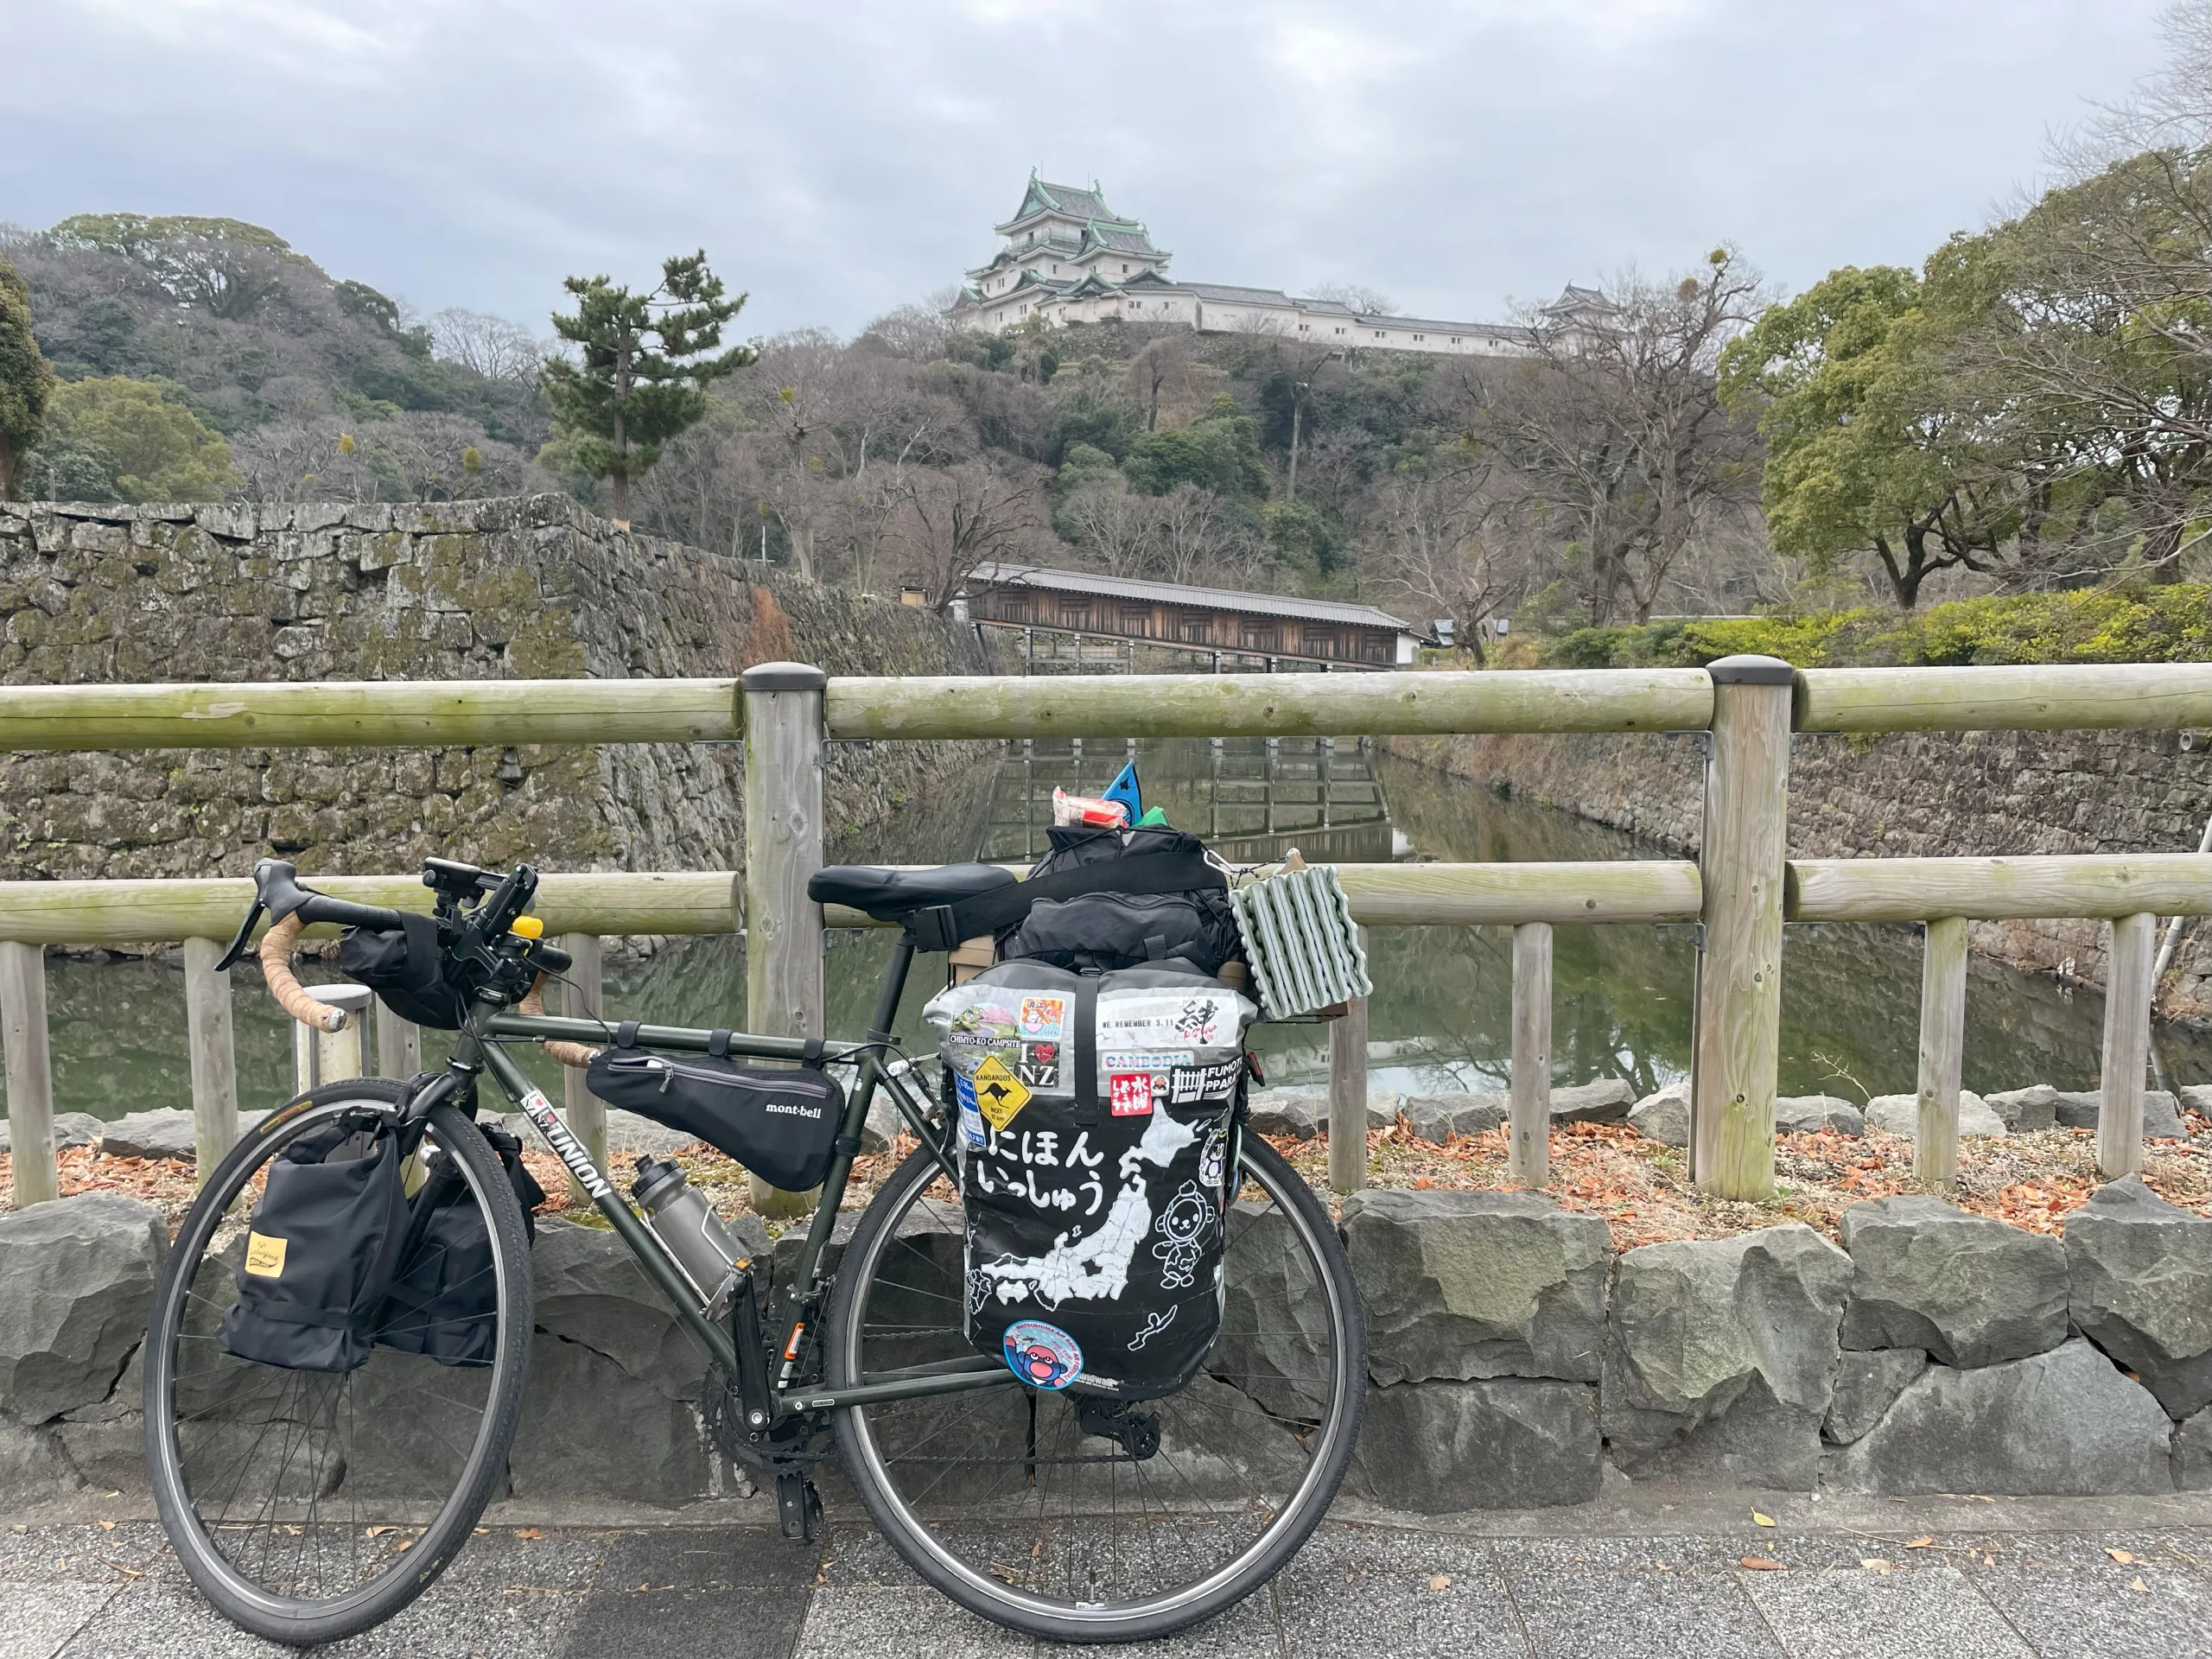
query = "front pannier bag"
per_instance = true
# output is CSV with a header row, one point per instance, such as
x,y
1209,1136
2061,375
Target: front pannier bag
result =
x,y
781,1123
321,1251
1097,1117
445,1303
406,970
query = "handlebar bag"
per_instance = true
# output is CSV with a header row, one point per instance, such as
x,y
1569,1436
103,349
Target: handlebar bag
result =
x,y
445,1302
782,1124
1107,930
321,1251
406,970
1097,1139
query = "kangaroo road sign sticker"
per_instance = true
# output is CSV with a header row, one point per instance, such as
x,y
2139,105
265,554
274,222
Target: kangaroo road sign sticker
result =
x,y
999,1093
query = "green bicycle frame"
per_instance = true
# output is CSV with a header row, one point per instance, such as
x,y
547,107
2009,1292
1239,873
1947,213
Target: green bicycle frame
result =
x,y
795,1305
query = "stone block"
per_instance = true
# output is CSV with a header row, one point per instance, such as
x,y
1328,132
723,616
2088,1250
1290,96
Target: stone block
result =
x,y
2139,1284
1808,1113
1275,1332
2079,1108
1606,1100
1866,1384
2026,1111
70,1129
1664,1117
2196,1098
1439,1117
1900,1115
1969,1290
34,1466
76,1284
1504,1443
1721,1356
165,1133
562,1446
2063,1423
1301,1111
2192,1453
590,1291
1467,1285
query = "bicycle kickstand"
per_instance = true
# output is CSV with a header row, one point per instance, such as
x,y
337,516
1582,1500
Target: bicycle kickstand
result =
x,y
798,1506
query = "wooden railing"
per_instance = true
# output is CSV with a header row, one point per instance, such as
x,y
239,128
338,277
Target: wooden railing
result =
x,y
1739,892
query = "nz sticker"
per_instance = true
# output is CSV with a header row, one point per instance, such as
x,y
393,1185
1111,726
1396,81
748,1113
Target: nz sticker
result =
x,y
1039,1067
1130,1094
1043,1018
999,1093
1041,1355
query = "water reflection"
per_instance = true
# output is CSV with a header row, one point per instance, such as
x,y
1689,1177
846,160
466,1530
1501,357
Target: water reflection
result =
x,y
1442,1011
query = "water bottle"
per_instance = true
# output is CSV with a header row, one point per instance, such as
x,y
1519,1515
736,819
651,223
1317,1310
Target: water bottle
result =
x,y
682,1218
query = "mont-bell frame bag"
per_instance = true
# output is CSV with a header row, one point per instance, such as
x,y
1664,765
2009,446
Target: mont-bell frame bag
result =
x,y
1097,1138
406,968
445,1303
321,1251
781,1122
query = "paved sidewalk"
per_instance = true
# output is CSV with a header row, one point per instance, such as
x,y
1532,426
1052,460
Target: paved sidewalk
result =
x,y
1988,1580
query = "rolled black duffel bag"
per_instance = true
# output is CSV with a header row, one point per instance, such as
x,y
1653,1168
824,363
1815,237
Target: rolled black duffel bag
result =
x,y
406,968
781,1122
445,1303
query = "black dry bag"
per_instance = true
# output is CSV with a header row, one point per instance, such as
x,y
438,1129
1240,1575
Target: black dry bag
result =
x,y
782,1124
406,968
445,1303
323,1244
1105,930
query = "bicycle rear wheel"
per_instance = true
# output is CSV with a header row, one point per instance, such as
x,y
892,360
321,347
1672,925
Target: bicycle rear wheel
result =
x,y
1006,1502
306,1506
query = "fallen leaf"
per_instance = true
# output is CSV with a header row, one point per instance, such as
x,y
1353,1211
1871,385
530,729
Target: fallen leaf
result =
x,y
1759,1563
1439,1581
405,1543
1876,1564
107,1526
1764,1520
2139,1585
2121,1556
1920,1543
532,1533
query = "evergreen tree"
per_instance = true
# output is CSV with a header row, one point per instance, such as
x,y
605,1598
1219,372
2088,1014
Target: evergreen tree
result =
x,y
25,379
645,366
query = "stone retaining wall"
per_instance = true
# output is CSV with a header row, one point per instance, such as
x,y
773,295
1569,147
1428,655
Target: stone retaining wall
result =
x,y
518,588
1513,1357
1934,794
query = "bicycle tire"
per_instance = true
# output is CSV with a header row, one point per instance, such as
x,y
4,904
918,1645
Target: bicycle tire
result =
x,y
412,1565
920,1542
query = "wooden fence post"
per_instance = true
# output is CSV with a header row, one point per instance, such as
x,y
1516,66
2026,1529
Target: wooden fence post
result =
x,y
30,1073
1736,1046
1943,1045
580,1000
213,1057
399,1045
2127,1040
1530,1155
1347,1095
784,991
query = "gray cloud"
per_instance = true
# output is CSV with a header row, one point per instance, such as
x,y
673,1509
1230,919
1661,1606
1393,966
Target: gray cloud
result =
x,y
841,160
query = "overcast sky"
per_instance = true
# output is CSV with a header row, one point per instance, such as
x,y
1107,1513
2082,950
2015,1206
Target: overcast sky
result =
x,y
838,157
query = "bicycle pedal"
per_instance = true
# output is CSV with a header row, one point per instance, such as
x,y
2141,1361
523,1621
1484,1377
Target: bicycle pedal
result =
x,y
798,1506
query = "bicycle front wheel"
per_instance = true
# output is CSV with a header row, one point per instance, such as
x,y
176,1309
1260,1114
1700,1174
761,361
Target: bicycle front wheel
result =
x,y
1000,1496
310,1505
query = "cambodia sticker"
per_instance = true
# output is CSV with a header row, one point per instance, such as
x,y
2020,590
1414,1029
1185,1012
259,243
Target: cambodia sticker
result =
x,y
1043,1018
999,1093
1165,1059
1130,1094
1041,1355
264,1256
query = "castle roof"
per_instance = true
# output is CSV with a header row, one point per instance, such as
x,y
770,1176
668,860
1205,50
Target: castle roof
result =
x,y
1175,593
1064,202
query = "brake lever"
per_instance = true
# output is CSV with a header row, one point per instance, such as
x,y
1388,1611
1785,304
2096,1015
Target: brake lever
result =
x,y
243,939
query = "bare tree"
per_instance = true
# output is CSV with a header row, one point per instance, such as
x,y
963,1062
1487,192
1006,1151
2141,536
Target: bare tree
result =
x,y
1116,525
956,518
1433,550
1367,301
1163,364
490,346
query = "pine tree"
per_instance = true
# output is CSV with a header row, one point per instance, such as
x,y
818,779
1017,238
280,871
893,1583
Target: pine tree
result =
x,y
25,380
647,362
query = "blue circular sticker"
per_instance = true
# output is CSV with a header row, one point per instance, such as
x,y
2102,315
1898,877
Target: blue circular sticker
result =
x,y
1041,1355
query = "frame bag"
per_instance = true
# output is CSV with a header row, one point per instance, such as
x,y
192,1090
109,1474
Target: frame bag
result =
x,y
1097,1138
321,1252
406,970
445,1305
785,1124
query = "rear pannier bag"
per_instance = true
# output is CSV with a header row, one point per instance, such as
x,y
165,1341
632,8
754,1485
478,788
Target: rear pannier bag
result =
x,y
406,970
1098,1126
1106,929
782,1124
321,1251
445,1303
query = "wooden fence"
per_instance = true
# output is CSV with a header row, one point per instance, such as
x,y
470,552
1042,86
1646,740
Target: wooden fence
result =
x,y
1739,893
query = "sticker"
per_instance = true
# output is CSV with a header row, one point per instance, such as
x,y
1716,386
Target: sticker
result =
x,y
1111,1384
1040,1053
1131,1094
1041,1355
1164,1060
1154,1323
1044,1017
1214,1157
1184,1220
1188,1084
1199,1020
264,1256
1039,1067
999,1094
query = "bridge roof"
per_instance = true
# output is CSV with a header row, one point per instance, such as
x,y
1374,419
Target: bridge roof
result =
x,y
1175,593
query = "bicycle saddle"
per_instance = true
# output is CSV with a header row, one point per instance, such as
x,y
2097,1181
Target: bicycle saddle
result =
x,y
894,895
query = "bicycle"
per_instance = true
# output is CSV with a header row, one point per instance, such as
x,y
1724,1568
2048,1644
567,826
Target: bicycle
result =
x,y
306,1506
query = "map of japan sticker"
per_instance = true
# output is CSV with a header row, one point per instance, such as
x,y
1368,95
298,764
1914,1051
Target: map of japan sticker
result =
x,y
999,1093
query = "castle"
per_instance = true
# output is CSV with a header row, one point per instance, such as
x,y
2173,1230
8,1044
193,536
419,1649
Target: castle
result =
x,y
1070,259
